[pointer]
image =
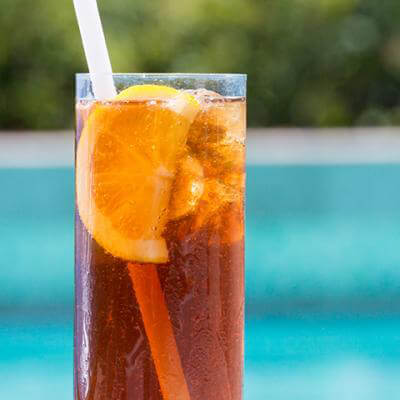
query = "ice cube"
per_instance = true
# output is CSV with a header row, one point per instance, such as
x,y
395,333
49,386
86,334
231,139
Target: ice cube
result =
x,y
221,158
215,196
219,120
204,95
188,187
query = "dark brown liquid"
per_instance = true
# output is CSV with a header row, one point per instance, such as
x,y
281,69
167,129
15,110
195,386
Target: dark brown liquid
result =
x,y
203,289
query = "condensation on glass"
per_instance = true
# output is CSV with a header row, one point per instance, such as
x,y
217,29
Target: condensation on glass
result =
x,y
159,238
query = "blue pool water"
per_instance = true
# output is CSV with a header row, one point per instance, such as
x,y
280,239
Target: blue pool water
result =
x,y
322,283
286,358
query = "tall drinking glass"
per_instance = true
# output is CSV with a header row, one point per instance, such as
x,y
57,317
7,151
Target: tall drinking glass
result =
x,y
159,238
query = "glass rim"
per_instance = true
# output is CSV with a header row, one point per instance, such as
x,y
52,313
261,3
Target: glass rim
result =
x,y
166,74
231,85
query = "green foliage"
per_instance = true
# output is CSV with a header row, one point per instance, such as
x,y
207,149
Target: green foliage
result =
x,y
309,62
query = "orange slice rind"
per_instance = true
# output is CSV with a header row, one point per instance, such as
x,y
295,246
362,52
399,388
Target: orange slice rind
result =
x,y
181,103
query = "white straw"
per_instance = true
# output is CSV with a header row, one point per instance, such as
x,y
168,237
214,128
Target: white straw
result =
x,y
94,44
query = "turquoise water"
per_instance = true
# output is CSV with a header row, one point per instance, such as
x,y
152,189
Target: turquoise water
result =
x,y
322,283
286,358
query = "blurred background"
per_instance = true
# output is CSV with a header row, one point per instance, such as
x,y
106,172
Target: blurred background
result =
x,y
323,199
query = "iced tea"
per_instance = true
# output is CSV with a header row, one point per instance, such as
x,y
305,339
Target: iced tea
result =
x,y
160,246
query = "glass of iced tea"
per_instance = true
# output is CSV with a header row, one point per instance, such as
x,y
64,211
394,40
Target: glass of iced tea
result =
x,y
159,243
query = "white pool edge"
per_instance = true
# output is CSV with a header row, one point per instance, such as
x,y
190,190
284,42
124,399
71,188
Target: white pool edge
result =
x,y
276,146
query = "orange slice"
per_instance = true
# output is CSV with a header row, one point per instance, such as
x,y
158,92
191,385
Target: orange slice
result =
x,y
125,166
